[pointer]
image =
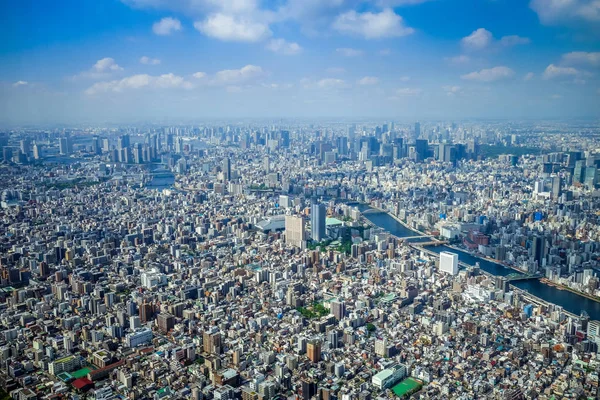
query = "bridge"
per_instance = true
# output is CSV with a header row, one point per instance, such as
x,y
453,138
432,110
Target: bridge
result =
x,y
515,276
373,211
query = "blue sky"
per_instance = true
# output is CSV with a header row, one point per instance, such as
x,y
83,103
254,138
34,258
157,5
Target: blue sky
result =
x,y
131,60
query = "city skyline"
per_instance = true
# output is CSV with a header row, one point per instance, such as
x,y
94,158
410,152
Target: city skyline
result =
x,y
130,60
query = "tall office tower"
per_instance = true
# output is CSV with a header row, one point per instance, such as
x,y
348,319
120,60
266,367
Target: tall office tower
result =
x,y
145,312
591,177
137,154
227,169
63,146
556,187
309,388
105,145
166,322
295,230
342,145
537,249
25,146
266,164
123,142
338,309
317,221
313,351
37,151
178,145
421,149
579,171
96,149
417,130
7,154
449,263
285,139
211,341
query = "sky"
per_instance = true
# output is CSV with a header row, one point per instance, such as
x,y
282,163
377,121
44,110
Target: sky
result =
x,y
67,61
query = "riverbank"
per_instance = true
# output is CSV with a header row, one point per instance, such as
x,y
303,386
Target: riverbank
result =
x,y
571,301
560,286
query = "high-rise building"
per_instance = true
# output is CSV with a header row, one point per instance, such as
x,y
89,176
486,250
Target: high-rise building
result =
x,y
338,309
449,263
417,130
123,142
166,322
211,341
285,139
421,149
227,169
313,350
537,249
63,146
25,146
317,221
295,230
591,177
37,151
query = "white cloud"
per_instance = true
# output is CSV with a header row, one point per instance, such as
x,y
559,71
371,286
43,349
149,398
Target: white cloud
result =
x,y
490,74
556,96
349,52
166,26
106,64
458,60
513,40
233,28
20,83
237,76
368,80
482,39
478,39
149,61
166,81
385,52
282,46
405,78
409,92
452,90
553,12
332,83
199,75
102,69
554,71
528,76
372,25
581,58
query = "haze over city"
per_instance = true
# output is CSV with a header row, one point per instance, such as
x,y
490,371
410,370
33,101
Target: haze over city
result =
x,y
299,199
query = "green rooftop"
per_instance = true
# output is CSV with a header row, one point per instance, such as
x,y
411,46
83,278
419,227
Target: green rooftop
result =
x,y
81,373
407,386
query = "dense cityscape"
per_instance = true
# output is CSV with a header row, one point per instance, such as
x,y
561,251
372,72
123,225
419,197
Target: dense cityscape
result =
x,y
301,260
300,200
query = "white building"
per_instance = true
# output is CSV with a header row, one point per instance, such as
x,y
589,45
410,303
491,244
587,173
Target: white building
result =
x,y
449,263
138,337
389,376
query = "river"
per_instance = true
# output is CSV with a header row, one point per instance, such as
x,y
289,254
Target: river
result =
x,y
569,301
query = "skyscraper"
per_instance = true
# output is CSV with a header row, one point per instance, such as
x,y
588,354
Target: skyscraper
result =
x,y
227,169
417,130
295,230
313,350
449,263
317,221
338,309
